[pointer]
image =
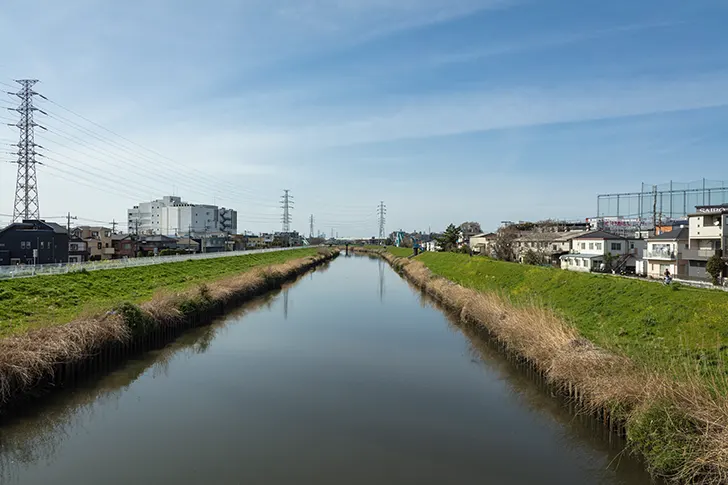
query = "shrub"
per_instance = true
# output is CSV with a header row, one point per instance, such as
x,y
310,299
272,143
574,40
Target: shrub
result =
x,y
714,267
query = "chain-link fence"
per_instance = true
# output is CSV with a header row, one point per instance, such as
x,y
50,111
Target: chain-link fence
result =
x,y
23,271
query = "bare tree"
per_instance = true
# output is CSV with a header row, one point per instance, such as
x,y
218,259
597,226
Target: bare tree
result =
x,y
504,246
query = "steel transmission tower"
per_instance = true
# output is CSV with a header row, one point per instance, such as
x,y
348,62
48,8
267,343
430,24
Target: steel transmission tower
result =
x,y
26,189
310,221
381,212
287,206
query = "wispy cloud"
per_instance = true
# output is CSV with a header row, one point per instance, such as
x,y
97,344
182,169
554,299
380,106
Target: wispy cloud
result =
x,y
542,42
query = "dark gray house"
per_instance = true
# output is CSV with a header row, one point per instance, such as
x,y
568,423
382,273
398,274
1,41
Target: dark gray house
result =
x,y
33,242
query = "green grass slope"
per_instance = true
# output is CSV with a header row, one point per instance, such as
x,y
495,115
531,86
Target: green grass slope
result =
x,y
646,320
47,300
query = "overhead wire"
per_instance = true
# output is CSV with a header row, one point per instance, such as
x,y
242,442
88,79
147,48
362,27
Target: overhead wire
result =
x,y
191,186
174,163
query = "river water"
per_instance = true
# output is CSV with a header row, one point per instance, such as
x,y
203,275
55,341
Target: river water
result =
x,y
347,376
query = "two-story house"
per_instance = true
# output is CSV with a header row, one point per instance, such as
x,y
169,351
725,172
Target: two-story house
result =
x,y
77,250
98,241
708,236
666,251
125,246
589,252
33,242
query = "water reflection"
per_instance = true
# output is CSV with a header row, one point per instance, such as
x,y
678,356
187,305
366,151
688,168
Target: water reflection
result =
x,y
332,385
35,434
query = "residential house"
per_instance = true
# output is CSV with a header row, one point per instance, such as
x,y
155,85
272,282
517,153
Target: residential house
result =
x,y
125,246
253,242
189,244
77,250
213,243
431,245
551,244
708,236
590,249
33,242
468,230
98,241
483,243
666,251
152,245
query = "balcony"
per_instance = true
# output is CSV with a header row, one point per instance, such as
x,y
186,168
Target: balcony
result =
x,y
108,251
698,254
664,255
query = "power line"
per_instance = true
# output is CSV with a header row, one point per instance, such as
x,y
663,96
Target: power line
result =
x,y
142,169
174,163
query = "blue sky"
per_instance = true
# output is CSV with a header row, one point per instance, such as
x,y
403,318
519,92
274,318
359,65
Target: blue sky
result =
x,y
448,110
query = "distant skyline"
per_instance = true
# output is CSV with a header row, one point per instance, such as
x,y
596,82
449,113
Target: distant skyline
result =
x,y
447,110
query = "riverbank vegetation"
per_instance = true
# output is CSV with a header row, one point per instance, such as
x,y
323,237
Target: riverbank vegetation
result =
x,y
35,357
651,356
48,300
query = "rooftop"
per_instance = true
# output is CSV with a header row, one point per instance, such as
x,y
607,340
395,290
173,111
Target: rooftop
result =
x,y
599,235
680,233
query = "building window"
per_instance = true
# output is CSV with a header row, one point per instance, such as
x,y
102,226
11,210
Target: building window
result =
x,y
127,246
591,246
74,247
42,244
583,245
598,246
616,246
94,234
578,262
554,247
631,245
98,245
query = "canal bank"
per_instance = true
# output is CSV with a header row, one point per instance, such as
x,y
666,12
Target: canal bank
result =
x,y
677,421
38,361
349,375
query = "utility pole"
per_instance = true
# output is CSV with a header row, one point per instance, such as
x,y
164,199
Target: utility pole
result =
x,y
68,222
310,221
654,209
381,212
113,226
26,188
287,206
332,233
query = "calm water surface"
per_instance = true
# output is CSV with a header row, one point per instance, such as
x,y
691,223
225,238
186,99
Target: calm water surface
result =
x,y
348,376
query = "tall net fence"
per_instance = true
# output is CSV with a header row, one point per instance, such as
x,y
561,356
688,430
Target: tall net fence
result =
x,y
663,202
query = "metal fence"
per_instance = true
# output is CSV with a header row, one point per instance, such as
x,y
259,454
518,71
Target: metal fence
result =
x,y
673,200
24,271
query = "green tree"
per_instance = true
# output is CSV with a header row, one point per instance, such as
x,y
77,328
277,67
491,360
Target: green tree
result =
x,y
715,267
608,261
533,258
449,239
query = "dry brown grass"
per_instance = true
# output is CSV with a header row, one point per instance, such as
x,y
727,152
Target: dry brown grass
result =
x,y
29,358
686,419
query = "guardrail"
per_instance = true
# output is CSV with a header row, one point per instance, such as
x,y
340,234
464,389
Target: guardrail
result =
x,y
25,271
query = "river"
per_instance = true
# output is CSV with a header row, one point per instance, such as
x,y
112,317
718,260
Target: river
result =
x,y
347,376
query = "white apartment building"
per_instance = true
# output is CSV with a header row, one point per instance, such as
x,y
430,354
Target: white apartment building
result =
x,y
708,234
170,216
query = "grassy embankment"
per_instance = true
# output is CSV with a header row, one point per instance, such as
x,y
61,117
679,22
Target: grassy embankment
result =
x,y
115,311
651,323
654,356
27,303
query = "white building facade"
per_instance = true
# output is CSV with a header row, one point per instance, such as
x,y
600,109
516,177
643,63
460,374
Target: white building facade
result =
x,y
170,216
